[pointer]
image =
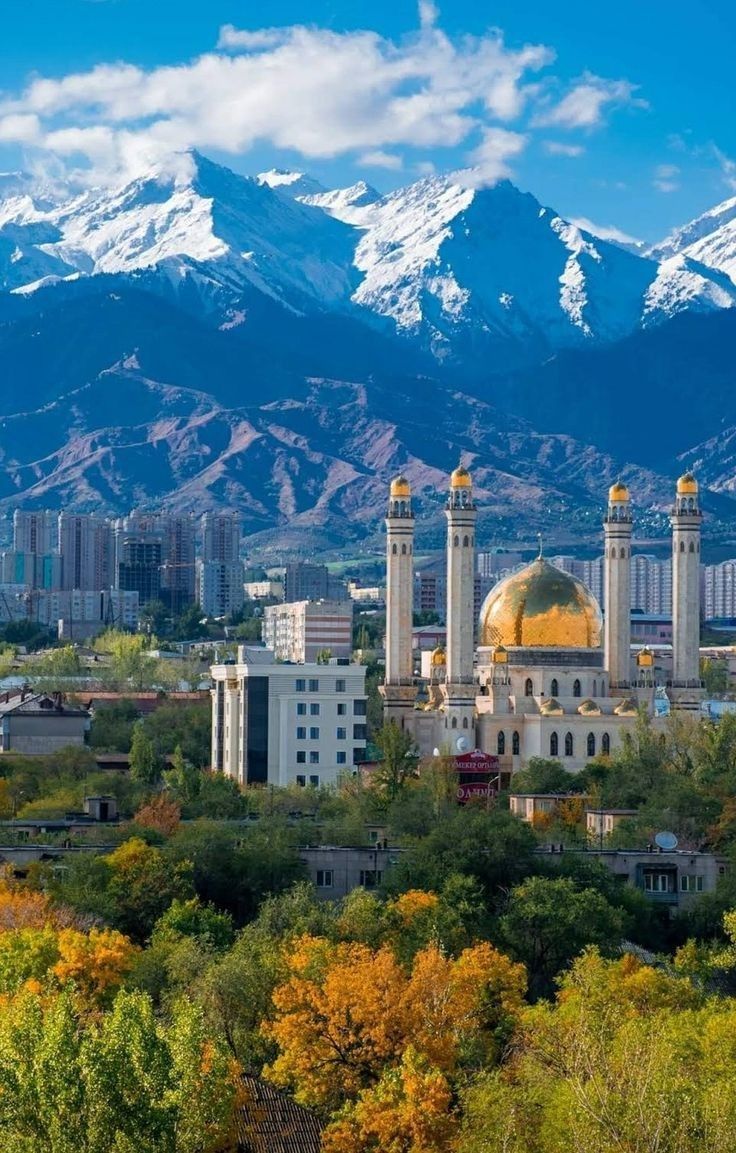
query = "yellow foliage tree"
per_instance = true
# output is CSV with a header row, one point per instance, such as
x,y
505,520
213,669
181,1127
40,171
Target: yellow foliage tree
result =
x,y
96,962
347,1012
160,813
408,1111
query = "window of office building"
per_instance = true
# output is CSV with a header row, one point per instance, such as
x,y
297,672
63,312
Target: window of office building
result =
x,y
314,710
342,709
314,781
342,734
314,757
359,732
301,685
301,709
342,757
324,878
301,759
359,708
301,733
314,685
314,733
340,685
301,780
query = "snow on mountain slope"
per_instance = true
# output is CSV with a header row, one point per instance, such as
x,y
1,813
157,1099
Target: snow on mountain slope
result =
x,y
483,276
450,263
701,234
231,228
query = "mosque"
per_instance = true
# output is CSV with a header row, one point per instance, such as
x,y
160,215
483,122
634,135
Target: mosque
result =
x,y
549,674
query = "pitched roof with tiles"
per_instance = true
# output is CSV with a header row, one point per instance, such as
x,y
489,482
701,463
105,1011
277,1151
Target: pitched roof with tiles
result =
x,y
270,1121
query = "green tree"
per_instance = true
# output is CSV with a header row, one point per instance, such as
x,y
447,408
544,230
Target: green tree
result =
x,y
186,725
145,765
548,922
112,726
398,759
545,776
123,1083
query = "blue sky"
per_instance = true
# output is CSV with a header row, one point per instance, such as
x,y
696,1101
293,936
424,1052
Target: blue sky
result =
x,y
620,113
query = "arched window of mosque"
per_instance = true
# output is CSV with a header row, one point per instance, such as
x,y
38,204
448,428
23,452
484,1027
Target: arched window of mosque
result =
x,y
554,745
456,541
394,550
591,744
528,687
403,550
454,722
554,688
623,554
576,689
501,744
515,744
605,744
692,546
682,546
568,744
595,688
465,722
466,542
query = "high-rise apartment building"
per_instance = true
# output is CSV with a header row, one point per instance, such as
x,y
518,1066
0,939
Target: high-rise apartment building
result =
x,y
86,549
220,537
719,590
35,532
220,571
139,565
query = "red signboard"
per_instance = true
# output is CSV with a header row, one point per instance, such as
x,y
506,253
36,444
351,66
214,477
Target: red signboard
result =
x,y
476,789
475,762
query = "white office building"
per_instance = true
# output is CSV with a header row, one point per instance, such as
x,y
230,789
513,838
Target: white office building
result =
x,y
220,587
287,724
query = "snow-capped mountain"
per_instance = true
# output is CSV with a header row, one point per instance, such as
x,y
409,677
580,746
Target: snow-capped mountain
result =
x,y
710,239
473,276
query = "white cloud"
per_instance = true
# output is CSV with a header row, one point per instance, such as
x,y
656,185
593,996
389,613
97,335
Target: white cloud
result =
x,y
381,159
490,158
305,90
557,148
664,178
727,166
605,231
585,104
234,39
429,13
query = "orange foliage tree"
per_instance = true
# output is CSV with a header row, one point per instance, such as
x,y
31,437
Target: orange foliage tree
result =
x,y
159,813
347,1012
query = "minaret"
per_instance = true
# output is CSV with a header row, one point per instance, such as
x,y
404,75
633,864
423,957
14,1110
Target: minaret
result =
x,y
617,608
459,682
398,688
686,519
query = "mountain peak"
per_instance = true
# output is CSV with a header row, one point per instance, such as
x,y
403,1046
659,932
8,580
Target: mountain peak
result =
x,y
294,184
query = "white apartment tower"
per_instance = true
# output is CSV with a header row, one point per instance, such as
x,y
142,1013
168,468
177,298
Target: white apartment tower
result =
x,y
617,612
686,520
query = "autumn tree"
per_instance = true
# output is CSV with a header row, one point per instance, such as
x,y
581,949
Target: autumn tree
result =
x,y
160,813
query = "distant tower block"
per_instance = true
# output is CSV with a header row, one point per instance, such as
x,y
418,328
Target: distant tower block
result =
x,y
398,688
686,521
459,683
617,623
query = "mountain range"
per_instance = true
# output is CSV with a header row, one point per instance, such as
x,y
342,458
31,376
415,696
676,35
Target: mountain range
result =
x,y
268,345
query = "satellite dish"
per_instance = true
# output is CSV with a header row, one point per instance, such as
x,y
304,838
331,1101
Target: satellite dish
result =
x,y
666,841
462,744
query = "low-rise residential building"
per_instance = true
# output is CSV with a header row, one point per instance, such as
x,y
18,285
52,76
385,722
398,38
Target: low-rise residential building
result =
x,y
36,724
675,878
301,630
600,823
335,870
287,724
535,807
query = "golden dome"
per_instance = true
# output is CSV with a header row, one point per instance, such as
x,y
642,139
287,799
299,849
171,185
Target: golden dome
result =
x,y
687,485
500,655
589,708
438,656
400,487
460,478
627,708
618,491
541,607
